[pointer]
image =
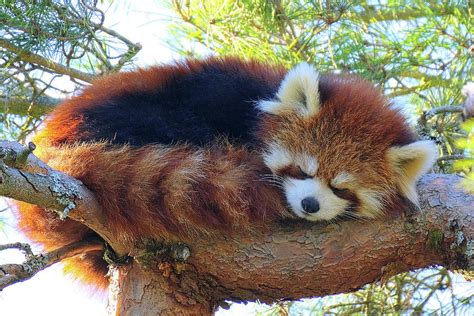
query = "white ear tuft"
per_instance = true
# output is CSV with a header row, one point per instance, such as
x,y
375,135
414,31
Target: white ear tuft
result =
x,y
411,162
269,106
299,91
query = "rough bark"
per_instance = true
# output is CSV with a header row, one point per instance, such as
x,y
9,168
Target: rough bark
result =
x,y
31,180
297,260
290,261
136,290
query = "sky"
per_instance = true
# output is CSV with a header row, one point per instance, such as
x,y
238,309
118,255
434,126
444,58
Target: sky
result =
x,y
50,292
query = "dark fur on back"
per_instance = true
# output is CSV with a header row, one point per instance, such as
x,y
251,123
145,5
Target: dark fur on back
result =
x,y
191,101
184,185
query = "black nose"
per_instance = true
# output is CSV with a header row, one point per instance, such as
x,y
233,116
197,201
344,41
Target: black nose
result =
x,y
310,205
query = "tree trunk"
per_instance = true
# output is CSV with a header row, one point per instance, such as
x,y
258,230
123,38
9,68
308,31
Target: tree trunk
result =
x,y
135,290
296,260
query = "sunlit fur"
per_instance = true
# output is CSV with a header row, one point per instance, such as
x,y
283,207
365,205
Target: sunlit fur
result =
x,y
410,162
367,158
175,194
199,149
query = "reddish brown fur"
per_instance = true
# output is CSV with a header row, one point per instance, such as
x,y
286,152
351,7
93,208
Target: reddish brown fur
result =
x,y
178,193
173,193
352,132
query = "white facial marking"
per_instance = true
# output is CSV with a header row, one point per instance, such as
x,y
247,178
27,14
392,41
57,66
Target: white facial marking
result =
x,y
277,157
330,205
307,163
371,203
341,179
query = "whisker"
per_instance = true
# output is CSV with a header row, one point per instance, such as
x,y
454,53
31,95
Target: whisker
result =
x,y
276,185
269,180
356,218
272,179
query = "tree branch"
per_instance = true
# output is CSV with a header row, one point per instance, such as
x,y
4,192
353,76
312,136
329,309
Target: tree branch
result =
x,y
422,123
21,106
297,260
41,185
46,63
14,273
453,157
443,109
376,14
291,260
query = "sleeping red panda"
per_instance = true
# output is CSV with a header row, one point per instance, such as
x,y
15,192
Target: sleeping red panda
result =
x,y
199,148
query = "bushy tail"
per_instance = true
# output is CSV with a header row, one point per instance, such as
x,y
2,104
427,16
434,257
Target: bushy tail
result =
x,y
171,193
44,227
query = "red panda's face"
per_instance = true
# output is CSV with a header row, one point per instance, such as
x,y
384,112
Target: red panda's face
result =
x,y
318,188
337,149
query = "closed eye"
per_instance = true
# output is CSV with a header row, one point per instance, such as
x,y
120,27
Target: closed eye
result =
x,y
294,172
303,175
345,194
338,191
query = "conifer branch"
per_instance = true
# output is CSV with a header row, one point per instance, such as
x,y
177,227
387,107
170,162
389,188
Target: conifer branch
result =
x,y
24,107
45,63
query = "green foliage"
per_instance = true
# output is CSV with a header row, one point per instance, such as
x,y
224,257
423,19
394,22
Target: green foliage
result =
x,y
419,52
68,32
46,46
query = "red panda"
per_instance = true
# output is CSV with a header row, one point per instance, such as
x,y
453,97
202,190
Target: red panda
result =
x,y
199,148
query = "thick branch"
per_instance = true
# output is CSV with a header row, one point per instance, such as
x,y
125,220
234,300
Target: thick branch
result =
x,y
46,63
297,260
290,261
320,260
51,189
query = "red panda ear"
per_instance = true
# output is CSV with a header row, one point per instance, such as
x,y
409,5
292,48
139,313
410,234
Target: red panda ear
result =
x,y
411,162
298,92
